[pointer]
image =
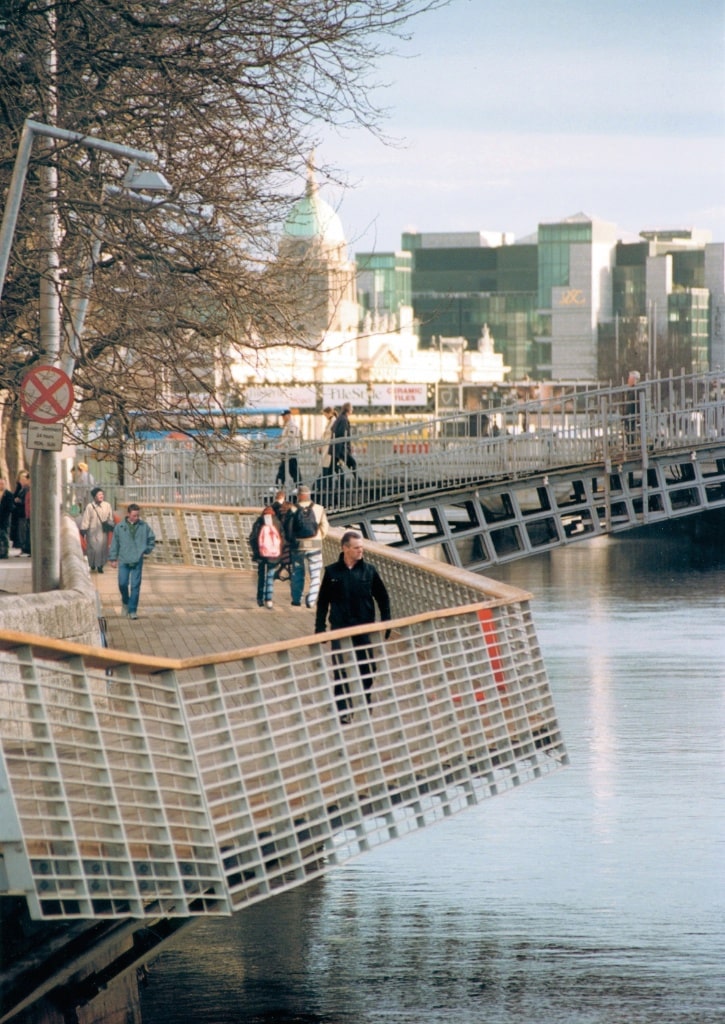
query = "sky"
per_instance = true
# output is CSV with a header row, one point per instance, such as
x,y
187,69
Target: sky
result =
x,y
511,113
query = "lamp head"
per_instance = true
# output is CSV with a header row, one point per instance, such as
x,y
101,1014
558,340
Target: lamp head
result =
x,y
152,181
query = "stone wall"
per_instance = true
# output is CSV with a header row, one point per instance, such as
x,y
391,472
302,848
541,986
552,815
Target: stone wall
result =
x,y
70,613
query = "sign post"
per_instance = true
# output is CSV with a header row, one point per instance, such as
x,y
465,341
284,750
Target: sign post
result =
x,y
46,398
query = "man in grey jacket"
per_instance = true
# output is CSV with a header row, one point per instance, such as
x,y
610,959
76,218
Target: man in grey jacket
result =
x,y
132,539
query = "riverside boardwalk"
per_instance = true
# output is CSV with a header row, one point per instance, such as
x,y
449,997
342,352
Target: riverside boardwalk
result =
x,y
184,612
200,762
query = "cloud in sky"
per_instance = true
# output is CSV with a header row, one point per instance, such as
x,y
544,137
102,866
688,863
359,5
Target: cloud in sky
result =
x,y
515,112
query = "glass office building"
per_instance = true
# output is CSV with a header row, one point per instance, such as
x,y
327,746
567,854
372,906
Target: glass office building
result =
x,y
573,302
459,289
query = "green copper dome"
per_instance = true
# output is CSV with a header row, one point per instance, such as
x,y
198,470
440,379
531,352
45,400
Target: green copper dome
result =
x,y
312,218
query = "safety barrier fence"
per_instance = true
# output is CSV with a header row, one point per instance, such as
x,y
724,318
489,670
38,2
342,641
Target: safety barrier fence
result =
x,y
400,463
136,786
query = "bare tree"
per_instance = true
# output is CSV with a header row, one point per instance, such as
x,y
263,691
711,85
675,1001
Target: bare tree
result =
x,y
231,94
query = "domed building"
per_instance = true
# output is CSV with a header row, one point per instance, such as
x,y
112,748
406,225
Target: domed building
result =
x,y
313,241
331,339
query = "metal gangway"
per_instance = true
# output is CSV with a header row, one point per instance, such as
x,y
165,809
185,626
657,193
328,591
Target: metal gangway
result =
x,y
581,464
603,426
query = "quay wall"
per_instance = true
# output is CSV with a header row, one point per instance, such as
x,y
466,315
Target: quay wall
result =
x,y
70,613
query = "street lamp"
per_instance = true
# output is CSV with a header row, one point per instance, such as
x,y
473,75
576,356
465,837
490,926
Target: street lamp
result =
x,y
151,181
45,517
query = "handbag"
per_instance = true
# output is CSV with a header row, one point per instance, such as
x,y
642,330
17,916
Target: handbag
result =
x,y
105,525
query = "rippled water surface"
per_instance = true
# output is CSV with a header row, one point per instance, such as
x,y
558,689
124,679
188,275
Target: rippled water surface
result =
x,y
593,896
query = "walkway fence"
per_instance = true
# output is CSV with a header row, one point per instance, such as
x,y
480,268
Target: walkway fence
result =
x,y
407,461
138,786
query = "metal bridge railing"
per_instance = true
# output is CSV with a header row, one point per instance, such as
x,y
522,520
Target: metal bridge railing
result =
x,y
449,453
133,786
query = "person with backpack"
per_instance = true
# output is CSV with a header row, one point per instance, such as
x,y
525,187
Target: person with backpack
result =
x,y
265,540
307,526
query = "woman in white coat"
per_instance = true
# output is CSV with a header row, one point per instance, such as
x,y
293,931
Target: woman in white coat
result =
x,y
96,525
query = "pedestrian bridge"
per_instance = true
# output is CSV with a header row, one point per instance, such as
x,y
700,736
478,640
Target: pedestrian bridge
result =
x,y
582,464
139,786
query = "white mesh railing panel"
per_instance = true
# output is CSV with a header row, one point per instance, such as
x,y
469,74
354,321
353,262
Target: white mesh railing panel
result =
x,y
202,790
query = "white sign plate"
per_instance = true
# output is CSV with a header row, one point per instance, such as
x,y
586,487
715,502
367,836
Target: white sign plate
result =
x,y
47,437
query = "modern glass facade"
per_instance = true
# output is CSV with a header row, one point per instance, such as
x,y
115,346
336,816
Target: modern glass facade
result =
x,y
384,283
553,255
456,291
688,318
575,304
629,280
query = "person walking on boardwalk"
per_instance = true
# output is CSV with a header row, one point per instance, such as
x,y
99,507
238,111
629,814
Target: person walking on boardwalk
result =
x,y
289,444
96,524
83,480
631,410
342,456
266,541
323,484
283,509
6,511
133,539
350,590
307,526
19,526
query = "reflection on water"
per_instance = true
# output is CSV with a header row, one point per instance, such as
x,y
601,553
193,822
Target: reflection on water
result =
x,y
595,896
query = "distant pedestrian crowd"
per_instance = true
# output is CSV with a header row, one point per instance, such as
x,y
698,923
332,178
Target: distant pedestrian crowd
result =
x,y
286,543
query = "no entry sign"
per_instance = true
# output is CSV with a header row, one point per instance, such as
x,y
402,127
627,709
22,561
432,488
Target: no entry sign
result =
x,y
46,394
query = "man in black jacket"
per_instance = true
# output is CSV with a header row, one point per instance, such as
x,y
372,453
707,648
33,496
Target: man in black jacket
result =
x,y
350,590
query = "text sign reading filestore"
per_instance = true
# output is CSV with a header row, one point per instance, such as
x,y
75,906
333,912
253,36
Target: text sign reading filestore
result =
x,y
46,394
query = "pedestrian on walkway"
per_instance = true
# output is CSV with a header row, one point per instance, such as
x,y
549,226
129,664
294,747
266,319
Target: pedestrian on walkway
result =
x,y
289,444
97,523
631,409
266,542
19,526
6,511
341,448
282,509
133,539
83,480
323,484
307,527
351,588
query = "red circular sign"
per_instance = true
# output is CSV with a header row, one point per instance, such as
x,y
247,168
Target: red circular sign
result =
x,y
46,394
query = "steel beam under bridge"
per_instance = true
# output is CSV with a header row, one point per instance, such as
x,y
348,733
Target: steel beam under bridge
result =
x,y
499,521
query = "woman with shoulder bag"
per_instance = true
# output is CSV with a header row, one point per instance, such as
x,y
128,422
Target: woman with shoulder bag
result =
x,y
97,525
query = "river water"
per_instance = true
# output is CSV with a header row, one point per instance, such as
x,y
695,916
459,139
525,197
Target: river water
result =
x,y
593,896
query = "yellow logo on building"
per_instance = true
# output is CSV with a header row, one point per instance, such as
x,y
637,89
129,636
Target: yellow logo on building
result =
x,y
572,297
